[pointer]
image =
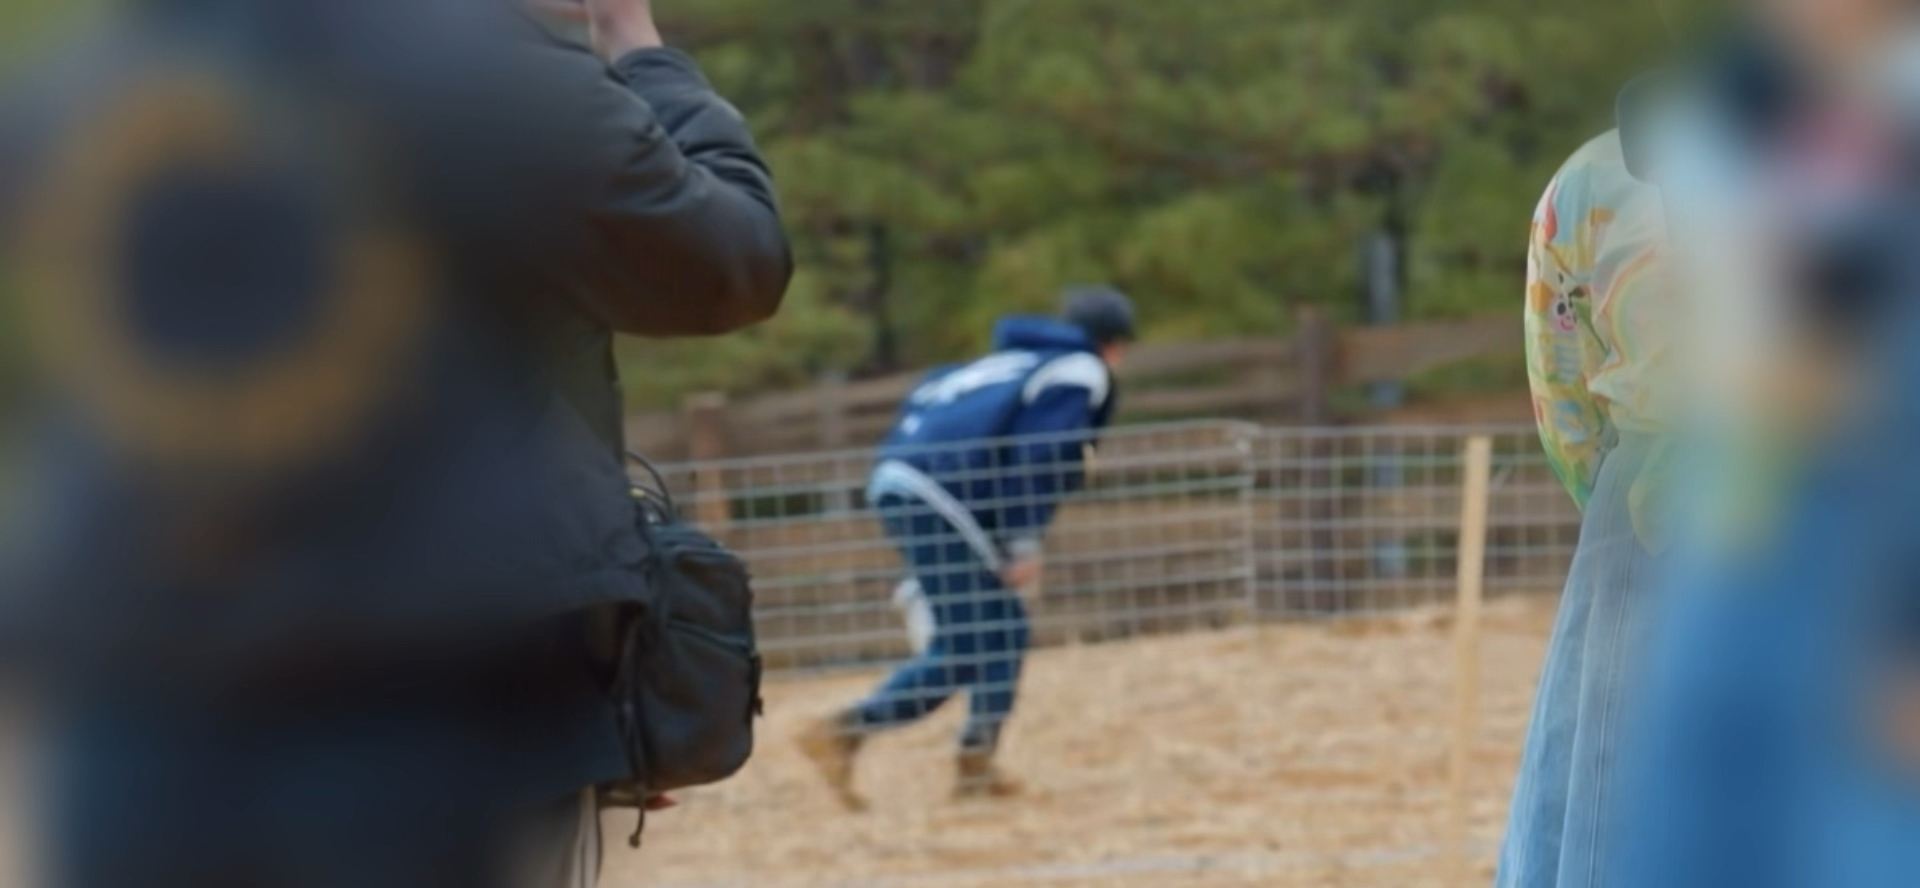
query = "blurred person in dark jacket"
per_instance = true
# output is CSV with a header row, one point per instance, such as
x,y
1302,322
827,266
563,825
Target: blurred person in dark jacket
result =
x,y
326,498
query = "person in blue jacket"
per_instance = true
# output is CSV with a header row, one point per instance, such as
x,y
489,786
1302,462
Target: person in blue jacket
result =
x,y
965,485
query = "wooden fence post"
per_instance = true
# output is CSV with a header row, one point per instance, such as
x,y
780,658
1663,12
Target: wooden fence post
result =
x,y
708,441
1477,471
832,408
1313,349
831,405
1316,340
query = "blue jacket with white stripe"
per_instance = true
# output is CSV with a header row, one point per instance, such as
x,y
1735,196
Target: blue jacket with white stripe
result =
x,y
1006,435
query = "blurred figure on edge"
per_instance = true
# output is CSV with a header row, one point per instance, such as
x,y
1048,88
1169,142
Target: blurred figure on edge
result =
x,y
325,488
1775,743
967,481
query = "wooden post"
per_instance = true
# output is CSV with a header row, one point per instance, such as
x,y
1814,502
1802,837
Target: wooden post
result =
x,y
1313,346
707,442
1477,470
830,402
1316,354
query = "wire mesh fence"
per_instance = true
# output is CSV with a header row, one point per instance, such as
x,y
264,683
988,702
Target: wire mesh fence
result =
x,y
1154,533
1365,521
1174,527
1237,675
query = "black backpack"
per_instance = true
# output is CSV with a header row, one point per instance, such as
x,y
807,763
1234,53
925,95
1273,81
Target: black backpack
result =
x,y
686,680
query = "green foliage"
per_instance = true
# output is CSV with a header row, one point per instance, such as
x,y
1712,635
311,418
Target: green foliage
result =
x,y
944,162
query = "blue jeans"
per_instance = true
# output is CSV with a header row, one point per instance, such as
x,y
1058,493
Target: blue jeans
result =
x,y
1563,824
981,638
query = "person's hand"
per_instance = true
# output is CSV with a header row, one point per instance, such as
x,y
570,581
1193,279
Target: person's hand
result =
x,y
1024,573
618,26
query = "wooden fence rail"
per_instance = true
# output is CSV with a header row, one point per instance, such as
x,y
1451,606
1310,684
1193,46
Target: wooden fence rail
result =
x,y
1282,380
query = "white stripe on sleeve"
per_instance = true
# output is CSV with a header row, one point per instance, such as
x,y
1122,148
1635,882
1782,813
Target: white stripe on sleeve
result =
x,y
1077,370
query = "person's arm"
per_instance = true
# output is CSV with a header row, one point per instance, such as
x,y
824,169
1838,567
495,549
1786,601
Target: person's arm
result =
x,y
682,227
1561,344
694,222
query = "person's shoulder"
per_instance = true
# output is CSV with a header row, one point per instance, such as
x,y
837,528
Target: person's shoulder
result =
x,y
1598,166
1606,183
1070,369
1592,189
1601,151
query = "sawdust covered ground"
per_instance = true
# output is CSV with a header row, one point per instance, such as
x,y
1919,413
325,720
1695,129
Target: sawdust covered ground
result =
x,y
1280,757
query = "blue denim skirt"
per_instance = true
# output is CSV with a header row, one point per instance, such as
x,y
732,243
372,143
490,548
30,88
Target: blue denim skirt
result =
x,y
1561,829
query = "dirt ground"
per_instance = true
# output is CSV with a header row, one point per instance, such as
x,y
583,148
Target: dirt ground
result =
x,y
1281,757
